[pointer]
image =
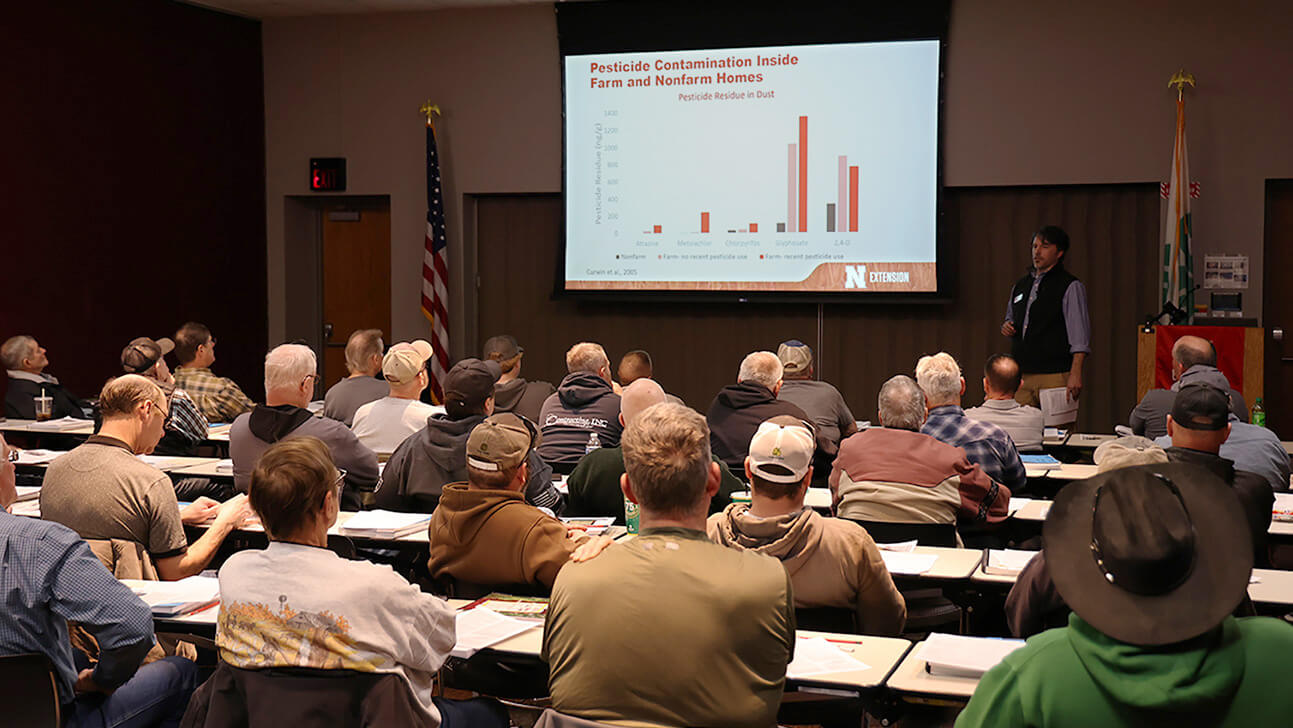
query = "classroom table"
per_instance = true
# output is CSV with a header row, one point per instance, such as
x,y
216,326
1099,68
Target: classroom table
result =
x,y
1065,471
1273,586
819,499
953,564
911,679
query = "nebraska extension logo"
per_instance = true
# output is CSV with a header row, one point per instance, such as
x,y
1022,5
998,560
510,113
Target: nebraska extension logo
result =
x,y
855,276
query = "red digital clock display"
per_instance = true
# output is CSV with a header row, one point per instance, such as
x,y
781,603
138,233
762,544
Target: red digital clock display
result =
x,y
328,174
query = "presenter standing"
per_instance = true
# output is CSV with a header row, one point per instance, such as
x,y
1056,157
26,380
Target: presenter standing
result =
x,y
1047,322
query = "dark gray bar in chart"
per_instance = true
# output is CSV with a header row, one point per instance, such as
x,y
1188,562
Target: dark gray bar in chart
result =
x,y
781,227
830,217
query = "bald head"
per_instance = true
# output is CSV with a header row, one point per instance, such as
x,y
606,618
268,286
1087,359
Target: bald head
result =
x,y
1189,351
638,397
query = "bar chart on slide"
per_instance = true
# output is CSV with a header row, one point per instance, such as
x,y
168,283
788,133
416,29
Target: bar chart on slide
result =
x,y
750,164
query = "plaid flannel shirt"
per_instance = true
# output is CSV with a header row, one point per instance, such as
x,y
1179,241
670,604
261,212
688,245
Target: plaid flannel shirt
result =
x,y
219,398
984,444
186,418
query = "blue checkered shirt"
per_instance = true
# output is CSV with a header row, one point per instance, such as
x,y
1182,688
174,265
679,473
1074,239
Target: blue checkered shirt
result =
x,y
983,442
48,576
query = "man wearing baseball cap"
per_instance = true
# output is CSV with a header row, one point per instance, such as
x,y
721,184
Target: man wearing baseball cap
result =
x,y
436,455
821,401
383,424
1153,561
186,426
512,392
483,532
831,562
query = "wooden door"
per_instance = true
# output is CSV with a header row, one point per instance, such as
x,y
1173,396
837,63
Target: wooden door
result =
x,y
356,279
1277,307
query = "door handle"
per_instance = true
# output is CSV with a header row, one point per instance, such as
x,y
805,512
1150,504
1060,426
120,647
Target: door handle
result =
x,y
327,332
1277,334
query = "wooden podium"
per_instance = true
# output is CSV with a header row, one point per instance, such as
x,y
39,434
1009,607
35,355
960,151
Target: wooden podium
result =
x,y
1240,352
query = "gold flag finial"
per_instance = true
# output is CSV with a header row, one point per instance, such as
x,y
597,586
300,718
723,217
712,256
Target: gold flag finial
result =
x,y
1179,80
431,111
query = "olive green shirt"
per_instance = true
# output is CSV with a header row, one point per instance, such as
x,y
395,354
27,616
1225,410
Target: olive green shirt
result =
x,y
670,629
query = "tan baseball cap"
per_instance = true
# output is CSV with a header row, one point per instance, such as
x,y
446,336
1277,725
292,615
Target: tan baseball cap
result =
x,y
1126,452
404,360
781,450
501,442
795,356
141,354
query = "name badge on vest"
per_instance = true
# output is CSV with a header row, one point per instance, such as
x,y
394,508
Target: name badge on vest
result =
x,y
1018,298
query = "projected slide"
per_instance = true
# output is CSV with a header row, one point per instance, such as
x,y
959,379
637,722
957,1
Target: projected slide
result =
x,y
791,168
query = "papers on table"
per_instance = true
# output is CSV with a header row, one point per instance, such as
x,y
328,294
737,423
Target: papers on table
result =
x,y
592,526
385,524
1017,504
908,563
27,492
224,466
174,598
60,424
29,508
1057,407
161,462
480,627
1007,562
820,656
905,547
38,457
952,655
532,608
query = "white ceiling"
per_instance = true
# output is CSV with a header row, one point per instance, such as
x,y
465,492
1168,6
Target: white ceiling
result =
x,y
294,8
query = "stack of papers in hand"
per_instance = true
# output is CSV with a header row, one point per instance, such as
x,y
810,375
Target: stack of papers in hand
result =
x,y
952,655
481,627
908,563
175,598
60,424
589,525
1007,562
819,656
38,457
385,524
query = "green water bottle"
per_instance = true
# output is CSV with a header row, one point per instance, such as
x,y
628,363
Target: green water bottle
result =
x,y
1259,413
631,512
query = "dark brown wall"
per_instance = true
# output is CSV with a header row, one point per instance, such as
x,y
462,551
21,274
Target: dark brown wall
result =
x,y
134,192
697,348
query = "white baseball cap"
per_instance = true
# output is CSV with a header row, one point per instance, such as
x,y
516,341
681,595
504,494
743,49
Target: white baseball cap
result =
x,y
781,450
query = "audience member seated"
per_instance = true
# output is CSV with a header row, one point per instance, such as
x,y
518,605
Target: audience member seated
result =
x,y
985,444
669,628
593,487
1022,422
297,604
1194,361
513,393
381,425
103,492
739,409
49,576
436,455
290,375
25,361
821,401
832,562
364,362
1153,560
897,474
483,532
1255,449
219,398
637,365
186,427
583,414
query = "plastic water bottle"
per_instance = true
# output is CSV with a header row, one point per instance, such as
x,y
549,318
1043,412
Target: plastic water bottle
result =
x,y
1259,413
593,443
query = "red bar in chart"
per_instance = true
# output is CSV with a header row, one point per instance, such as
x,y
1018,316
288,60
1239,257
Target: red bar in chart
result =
x,y
655,229
844,190
853,199
704,222
754,227
803,174
792,203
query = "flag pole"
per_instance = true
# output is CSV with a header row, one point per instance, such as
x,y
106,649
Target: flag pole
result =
x,y
435,263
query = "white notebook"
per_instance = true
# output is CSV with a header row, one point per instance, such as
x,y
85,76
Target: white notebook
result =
x,y
951,655
898,562
385,524
1007,562
174,598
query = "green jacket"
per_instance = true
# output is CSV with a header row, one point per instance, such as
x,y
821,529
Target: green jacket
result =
x,y
1236,675
594,486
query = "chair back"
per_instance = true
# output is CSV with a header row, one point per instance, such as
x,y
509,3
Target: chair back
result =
x,y
827,619
29,691
925,534
552,719
301,698
342,546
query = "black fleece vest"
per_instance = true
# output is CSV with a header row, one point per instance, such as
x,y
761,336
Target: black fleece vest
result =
x,y
1044,348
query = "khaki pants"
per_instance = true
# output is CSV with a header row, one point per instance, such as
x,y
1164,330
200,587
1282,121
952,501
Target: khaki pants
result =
x,y
1031,383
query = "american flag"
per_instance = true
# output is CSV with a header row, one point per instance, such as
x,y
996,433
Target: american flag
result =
x,y
435,271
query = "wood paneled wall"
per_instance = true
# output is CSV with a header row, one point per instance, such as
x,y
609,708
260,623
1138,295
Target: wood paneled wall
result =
x,y
698,347
134,194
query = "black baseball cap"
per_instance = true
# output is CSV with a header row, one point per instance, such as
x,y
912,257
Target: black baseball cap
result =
x,y
1201,407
